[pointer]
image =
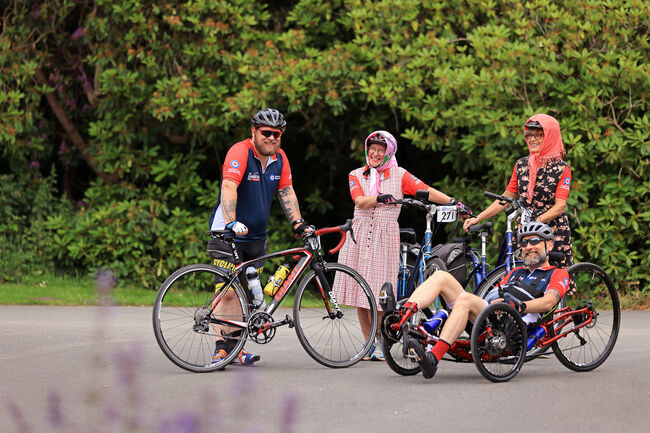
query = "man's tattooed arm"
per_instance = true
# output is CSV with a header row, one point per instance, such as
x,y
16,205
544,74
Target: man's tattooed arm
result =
x,y
229,201
289,203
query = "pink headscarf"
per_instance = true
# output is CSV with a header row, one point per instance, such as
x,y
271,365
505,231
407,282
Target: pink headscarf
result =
x,y
552,148
389,161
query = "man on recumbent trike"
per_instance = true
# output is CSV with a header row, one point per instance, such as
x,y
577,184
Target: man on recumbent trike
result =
x,y
532,289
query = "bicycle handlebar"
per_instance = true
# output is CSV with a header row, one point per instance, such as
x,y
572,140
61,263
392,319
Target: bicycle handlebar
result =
x,y
423,205
342,229
518,206
498,197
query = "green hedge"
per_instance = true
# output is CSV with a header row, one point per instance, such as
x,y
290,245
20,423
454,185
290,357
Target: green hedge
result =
x,y
116,115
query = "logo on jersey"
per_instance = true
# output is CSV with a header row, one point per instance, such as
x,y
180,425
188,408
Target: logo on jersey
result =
x,y
417,181
566,282
234,163
254,177
273,177
566,184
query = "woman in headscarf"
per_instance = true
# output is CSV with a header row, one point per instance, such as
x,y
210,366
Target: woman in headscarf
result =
x,y
544,180
375,256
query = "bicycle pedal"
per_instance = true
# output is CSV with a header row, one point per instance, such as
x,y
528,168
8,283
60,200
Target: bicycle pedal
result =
x,y
289,321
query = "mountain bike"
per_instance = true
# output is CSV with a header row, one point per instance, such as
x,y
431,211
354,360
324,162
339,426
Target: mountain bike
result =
x,y
192,310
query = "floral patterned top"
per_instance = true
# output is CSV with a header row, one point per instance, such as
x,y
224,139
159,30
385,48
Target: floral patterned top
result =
x,y
553,181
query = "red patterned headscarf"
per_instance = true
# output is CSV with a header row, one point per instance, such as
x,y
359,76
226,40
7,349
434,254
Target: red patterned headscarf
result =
x,y
552,149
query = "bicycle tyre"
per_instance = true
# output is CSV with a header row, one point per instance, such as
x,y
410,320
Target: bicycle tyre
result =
x,y
432,265
334,342
488,284
185,342
499,342
393,351
588,347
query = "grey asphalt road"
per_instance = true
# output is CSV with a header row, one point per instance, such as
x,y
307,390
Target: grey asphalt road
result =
x,y
100,369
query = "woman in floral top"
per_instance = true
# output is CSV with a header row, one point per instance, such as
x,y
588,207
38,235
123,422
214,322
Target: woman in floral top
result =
x,y
544,180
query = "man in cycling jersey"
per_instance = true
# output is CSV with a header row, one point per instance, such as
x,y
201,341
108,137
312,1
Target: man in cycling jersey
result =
x,y
254,170
531,289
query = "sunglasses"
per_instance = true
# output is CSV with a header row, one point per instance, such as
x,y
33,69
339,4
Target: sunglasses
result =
x,y
534,241
269,134
538,136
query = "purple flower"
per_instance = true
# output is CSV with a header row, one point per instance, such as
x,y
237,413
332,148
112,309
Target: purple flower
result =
x,y
78,34
18,417
183,422
127,362
62,147
34,165
111,415
80,204
105,279
54,412
70,103
289,412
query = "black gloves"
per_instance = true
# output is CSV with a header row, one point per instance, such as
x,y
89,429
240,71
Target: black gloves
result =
x,y
385,198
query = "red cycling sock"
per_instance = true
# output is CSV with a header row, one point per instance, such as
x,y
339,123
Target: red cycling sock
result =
x,y
440,349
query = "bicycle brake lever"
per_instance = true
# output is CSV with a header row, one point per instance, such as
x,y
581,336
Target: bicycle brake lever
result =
x,y
352,235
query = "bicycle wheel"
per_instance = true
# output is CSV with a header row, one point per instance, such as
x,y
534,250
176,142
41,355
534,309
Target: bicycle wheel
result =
x,y
433,264
330,332
589,346
490,282
499,342
185,329
393,347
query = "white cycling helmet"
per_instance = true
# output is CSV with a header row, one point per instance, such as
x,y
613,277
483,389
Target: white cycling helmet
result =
x,y
535,228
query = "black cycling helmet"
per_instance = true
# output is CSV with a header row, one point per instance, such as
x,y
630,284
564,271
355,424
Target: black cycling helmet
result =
x,y
535,228
269,117
533,125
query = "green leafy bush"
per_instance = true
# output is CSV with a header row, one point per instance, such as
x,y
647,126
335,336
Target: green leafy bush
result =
x,y
134,105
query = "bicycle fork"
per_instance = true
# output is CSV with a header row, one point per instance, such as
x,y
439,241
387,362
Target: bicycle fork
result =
x,y
326,289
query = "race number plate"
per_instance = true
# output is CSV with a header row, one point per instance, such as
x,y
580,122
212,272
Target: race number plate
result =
x,y
446,214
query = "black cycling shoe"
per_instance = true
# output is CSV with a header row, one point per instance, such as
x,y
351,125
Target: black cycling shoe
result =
x,y
428,365
425,359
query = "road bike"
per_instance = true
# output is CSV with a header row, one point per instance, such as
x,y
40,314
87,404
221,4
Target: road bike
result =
x,y
193,308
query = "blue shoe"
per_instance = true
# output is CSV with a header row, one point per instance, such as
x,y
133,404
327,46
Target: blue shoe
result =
x,y
246,358
378,354
218,356
368,356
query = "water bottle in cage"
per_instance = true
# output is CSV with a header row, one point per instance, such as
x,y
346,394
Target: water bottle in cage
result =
x,y
535,336
254,285
435,321
276,280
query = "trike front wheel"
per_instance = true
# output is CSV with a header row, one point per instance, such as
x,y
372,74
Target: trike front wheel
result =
x,y
499,342
329,331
